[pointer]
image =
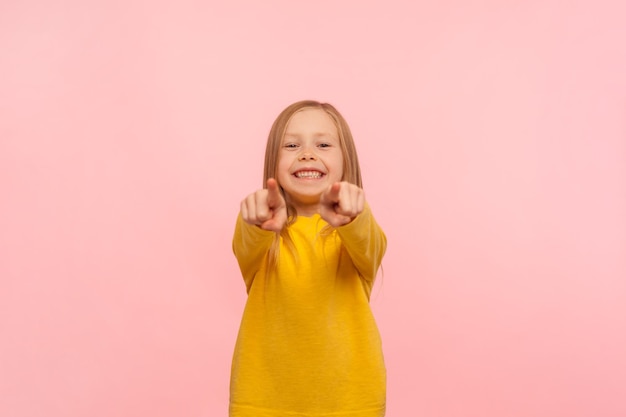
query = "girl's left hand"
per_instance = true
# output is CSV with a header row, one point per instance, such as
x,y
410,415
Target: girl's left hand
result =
x,y
341,203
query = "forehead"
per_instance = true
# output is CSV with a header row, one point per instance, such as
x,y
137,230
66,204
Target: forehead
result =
x,y
313,122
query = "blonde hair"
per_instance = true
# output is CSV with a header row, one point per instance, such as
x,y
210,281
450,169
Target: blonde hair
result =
x,y
351,167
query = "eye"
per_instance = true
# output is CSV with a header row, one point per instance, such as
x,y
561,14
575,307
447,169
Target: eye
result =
x,y
290,145
324,145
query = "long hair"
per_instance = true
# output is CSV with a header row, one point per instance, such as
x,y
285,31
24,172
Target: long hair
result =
x,y
351,167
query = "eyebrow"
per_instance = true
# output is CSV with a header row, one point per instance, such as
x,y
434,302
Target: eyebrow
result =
x,y
316,135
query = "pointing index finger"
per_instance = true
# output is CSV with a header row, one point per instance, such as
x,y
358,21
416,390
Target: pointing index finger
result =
x,y
273,193
333,193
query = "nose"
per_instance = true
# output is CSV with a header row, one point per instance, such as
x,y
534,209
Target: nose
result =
x,y
307,155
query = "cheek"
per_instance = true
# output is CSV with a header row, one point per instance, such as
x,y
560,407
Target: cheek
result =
x,y
341,166
282,166
340,171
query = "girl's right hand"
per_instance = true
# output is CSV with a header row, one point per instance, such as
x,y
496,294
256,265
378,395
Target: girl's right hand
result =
x,y
265,208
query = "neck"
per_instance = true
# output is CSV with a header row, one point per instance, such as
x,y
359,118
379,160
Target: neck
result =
x,y
307,210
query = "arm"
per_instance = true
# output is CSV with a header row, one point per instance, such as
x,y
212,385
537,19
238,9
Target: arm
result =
x,y
365,242
343,206
250,246
263,215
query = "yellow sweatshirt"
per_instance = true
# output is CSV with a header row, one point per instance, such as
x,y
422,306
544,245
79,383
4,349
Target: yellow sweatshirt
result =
x,y
308,345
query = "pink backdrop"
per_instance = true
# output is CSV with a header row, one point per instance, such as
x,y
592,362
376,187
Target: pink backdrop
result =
x,y
493,143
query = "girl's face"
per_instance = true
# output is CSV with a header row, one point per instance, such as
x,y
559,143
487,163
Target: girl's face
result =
x,y
310,159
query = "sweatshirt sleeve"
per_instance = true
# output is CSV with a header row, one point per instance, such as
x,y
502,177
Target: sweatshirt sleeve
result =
x,y
250,246
365,242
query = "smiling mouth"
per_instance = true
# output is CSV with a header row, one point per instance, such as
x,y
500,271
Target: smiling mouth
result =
x,y
308,174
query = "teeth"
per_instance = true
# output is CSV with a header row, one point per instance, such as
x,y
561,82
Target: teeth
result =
x,y
308,174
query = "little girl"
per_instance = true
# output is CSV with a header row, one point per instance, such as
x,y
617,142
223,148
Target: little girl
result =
x,y
309,250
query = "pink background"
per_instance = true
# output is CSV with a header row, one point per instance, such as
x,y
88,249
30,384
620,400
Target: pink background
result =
x,y
492,137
